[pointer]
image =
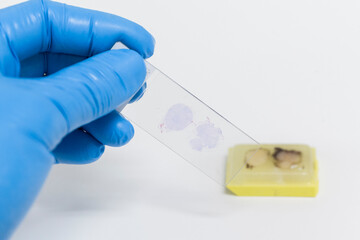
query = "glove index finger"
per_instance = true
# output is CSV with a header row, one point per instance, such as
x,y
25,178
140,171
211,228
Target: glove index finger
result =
x,y
88,32
39,26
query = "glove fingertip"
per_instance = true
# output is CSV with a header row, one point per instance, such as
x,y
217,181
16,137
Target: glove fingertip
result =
x,y
126,132
112,130
149,51
122,133
139,94
144,44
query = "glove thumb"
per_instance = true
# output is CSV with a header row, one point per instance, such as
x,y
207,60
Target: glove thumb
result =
x,y
94,87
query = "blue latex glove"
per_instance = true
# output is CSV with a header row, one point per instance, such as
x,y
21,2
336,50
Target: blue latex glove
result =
x,y
43,119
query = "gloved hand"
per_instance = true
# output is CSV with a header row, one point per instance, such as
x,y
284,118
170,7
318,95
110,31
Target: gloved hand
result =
x,y
67,116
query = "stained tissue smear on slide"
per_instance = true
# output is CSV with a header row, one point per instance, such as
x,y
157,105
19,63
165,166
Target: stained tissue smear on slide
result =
x,y
180,116
207,136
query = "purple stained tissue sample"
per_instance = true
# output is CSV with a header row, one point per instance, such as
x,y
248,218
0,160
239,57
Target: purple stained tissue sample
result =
x,y
178,117
208,136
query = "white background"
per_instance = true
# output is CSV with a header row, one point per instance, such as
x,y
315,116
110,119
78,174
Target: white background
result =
x,y
284,71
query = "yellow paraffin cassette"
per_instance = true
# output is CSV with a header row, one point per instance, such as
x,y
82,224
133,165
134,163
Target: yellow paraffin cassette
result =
x,y
272,170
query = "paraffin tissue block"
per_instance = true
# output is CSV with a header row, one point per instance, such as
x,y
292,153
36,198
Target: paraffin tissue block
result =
x,y
272,170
